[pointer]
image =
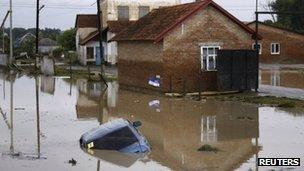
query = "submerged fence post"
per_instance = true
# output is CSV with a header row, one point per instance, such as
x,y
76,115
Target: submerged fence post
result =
x,y
199,86
89,72
184,87
170,84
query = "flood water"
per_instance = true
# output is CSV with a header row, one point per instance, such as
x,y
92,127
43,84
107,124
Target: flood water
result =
x,y
287,82
175,128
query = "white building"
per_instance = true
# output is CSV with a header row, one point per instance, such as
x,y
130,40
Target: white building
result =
x,y
116,15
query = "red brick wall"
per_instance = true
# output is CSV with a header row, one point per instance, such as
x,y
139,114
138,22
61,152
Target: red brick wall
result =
x,y
178,56
292,45
182,48
137,62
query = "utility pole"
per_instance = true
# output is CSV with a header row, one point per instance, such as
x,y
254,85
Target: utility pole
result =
x,y
37,33
11,33
102,70
257,49
2,27
3,40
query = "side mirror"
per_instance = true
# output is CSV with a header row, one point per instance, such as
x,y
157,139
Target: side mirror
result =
x,y
137,124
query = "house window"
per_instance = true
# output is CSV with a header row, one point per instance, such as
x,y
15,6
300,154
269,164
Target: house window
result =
x,y
208,57
123,12
275,48
143,10
259,46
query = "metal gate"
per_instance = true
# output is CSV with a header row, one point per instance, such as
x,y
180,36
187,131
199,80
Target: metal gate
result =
x,y
237,70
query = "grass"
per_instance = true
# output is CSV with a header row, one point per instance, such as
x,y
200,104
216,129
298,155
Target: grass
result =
x,y
263,100
208,148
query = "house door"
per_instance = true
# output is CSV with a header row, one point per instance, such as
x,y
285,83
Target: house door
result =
x,y
98,56
90,54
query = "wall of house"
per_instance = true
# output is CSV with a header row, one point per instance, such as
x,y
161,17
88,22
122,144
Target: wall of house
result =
x,y
111,48
83,52
292,45
47,49
138,61
109,7
82,33
181,54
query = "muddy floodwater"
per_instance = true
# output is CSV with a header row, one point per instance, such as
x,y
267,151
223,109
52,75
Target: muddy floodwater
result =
x,y
285,82
175,129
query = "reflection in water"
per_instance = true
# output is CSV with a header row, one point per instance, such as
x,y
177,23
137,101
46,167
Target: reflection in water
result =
x,y
114,157
209,131
179,127
175,128
12,113
282,78
38,115
48,84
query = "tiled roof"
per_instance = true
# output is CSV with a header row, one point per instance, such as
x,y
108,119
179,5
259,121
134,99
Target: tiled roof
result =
x,y
118,26
113,26
155,25
86,20
276,27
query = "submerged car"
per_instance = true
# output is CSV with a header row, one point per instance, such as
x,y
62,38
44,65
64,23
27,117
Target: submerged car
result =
x,y
119,135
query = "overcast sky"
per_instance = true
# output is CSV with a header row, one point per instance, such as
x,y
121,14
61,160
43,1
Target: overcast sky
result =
x,y
61,13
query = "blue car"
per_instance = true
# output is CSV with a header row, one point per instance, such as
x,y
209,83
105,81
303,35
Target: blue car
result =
x,y
119,135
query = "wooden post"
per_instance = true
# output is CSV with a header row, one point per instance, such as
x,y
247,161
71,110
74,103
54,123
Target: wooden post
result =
x,y
70,65
184,87
89,72
257,48
199,86
170,84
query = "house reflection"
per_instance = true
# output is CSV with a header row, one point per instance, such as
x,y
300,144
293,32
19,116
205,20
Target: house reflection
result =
x,y
283,78
180,127
47,84
94,99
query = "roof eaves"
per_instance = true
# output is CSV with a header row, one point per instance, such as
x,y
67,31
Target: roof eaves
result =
x,y
276,27
89,38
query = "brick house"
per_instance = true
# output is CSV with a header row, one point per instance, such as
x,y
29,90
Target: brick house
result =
x,y
279,44
116,15
178,45
88,45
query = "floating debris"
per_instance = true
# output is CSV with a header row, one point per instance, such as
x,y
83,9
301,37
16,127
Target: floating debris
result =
x,y
208,148
73,162
20,108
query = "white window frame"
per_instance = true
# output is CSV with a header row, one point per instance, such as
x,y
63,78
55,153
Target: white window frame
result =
x,y
261,48
272,50
214,56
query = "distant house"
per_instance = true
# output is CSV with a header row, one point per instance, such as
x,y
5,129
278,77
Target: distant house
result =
x,y
177,43
47,46
86,25
279,44
24,38
116,16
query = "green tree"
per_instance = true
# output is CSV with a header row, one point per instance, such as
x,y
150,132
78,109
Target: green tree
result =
x,y
67,39
27,46
294,22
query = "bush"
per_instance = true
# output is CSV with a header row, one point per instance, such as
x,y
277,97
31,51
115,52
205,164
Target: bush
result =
x,y
73,56
58,52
